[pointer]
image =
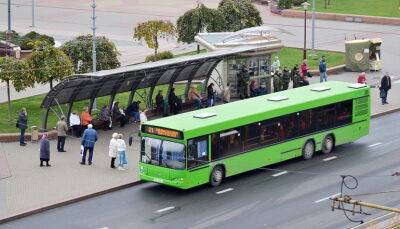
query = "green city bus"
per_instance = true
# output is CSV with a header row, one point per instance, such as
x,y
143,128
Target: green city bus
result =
x,y
208,145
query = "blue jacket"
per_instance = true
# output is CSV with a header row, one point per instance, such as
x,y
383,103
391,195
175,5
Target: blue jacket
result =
x,y
89,138
322,66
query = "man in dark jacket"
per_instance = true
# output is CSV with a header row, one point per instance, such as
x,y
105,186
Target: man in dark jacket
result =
x,y
174,102
89,138
133,110
210,95
386,85
22,124
285,78
160,102
322,70
105,117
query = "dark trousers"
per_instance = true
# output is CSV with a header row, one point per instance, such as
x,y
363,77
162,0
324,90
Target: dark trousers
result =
x,y
60,143
77,130
112,162
384,98
85,149
22,136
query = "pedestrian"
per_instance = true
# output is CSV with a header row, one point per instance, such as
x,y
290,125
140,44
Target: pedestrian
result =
x,y
121,148
143,118
112,152
89,139
62,129
22,124
210,95
75,123
253,89
276,64
295,76
386,85
195,97
173,102
133,110
44,150
226,95
105,117
323,77
285,78
276,81
86,119
305,69
118,115
362,78
160,103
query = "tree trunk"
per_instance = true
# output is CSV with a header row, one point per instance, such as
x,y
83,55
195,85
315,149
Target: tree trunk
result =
x,y
51,84
155,45
8,100
198,48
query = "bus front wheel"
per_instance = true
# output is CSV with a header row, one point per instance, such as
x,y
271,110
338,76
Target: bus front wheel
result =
x,y
328,144
217,175
308,149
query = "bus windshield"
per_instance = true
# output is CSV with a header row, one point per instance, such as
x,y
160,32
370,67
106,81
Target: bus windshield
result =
x,y
163,153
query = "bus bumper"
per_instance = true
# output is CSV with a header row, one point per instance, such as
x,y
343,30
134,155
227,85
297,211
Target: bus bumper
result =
x,y
178,183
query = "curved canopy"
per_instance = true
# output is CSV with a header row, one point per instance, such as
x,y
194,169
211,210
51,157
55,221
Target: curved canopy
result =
x,y
130,78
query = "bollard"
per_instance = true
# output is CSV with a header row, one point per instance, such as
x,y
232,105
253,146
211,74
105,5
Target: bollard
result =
x,y
35,134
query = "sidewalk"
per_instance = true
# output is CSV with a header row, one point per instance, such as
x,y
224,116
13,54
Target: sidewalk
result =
x,y
30,187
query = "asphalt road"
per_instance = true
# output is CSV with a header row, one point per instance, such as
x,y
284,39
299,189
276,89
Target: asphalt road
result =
x,y
256,199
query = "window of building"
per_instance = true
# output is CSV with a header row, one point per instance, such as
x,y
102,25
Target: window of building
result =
x,y
197,152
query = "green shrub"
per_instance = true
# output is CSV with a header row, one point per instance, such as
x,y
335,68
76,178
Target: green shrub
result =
x,y
298,2
32,35
285,4
159,56
26,44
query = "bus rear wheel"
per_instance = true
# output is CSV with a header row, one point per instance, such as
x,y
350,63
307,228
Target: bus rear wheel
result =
x,y
328,144
217,175
308,150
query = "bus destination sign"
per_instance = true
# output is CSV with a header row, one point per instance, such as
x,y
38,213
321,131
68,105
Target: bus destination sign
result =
x,y
163,132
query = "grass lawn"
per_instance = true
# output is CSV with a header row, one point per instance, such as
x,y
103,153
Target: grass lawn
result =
x,y
291,56
383,8
287,56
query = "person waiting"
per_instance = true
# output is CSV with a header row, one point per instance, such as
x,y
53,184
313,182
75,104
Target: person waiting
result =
x,y
195,97
105,117
174,102
133,111
75,123
86,119
160,103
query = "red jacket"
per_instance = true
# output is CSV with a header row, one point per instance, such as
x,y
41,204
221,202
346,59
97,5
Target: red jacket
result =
x,y
361,79
304,69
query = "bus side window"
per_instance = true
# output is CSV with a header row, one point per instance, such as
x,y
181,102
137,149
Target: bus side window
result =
x,y
197,152
305,124
252,136
269,132
344,112
230,142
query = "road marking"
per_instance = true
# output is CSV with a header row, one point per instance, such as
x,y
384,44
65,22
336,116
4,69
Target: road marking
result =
x,y
330,158
279,174
376,144
225,190
165,209
327,198
104,228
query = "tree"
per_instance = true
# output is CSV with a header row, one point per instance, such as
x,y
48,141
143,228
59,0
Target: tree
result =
x,y
151,31
49,63
80,52
239,14
17,72
200,19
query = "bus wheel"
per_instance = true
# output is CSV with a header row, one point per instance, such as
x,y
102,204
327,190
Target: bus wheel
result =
x,y
308,150
328,144
216,176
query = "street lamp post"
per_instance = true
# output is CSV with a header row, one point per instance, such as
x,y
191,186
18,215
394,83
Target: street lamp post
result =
x,y
305,6
313,29
9,16
33,13
94,58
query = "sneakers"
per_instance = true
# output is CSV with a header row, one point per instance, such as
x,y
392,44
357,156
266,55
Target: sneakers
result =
x,y
82,163
22,144
121,168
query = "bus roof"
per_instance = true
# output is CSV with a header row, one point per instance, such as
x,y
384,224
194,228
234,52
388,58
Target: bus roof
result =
x,y
251,110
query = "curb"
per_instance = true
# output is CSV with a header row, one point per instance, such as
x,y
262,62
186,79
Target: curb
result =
x,y
385,113
343,17
68,202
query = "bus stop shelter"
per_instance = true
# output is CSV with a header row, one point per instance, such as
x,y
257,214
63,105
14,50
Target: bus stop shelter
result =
x,y
131,78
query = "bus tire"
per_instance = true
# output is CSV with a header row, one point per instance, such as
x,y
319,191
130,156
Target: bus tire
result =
x,y
308,149
328,144
217,175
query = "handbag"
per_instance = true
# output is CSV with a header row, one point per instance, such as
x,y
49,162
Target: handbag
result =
x,y
382,93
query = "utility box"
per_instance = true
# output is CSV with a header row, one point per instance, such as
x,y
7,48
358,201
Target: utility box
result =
x,y
35,134
363,55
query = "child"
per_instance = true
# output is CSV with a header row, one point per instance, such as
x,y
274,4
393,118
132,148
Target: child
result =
x,y
121,148
113,149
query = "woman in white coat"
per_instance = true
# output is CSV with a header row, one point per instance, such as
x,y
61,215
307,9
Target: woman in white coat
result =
x,y
113,147
121,148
